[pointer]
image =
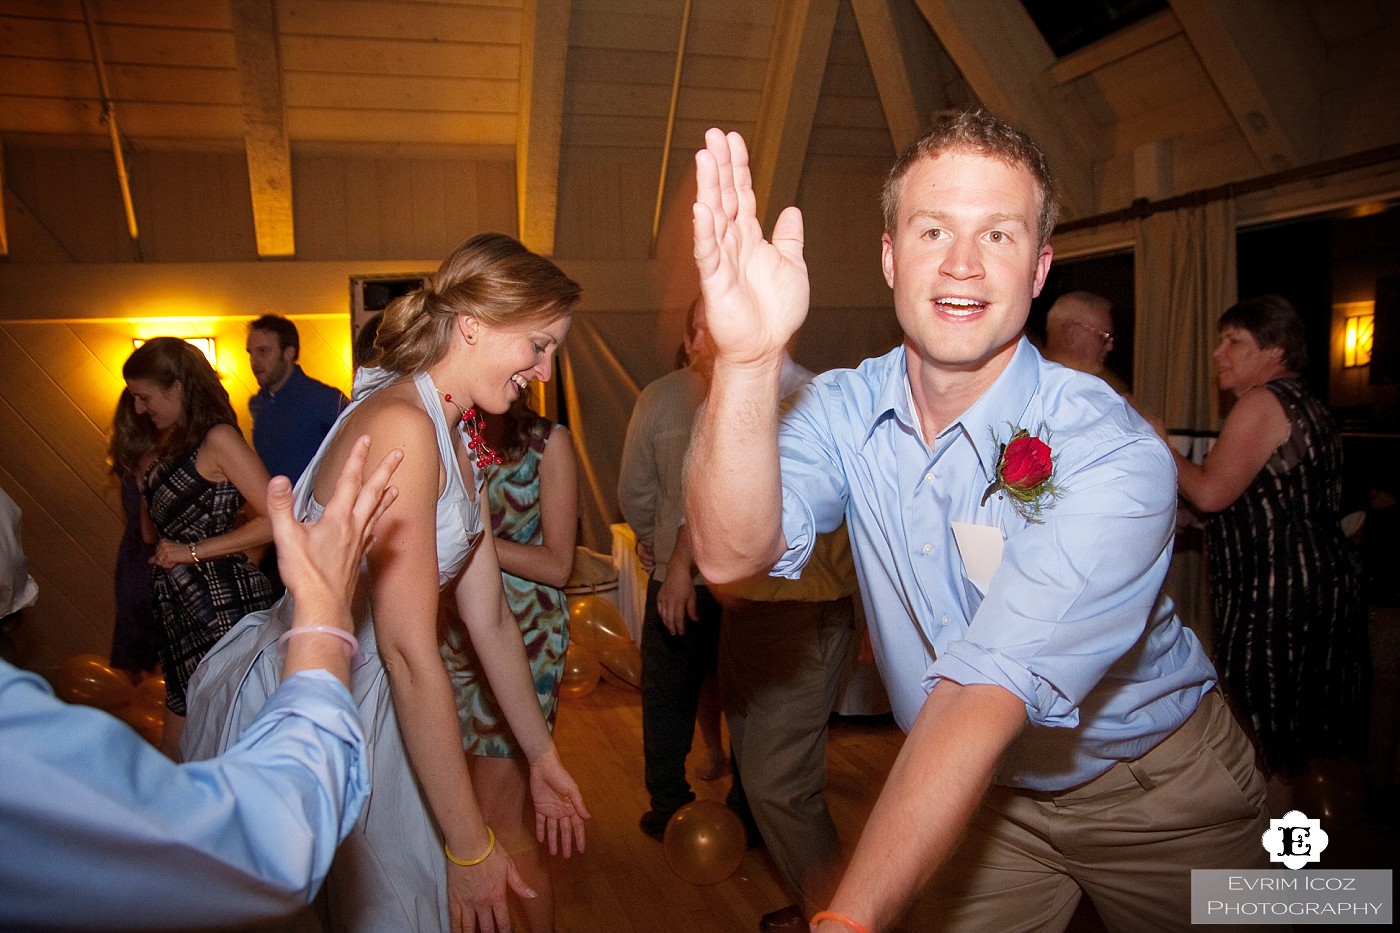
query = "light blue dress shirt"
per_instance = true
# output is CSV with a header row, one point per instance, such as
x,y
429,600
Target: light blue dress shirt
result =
x,y
99,830
1072,622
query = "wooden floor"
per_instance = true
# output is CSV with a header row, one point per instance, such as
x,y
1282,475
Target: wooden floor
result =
x,y
622,883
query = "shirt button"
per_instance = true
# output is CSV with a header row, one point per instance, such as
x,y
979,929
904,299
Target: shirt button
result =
x,y
945,620
928,478
928,548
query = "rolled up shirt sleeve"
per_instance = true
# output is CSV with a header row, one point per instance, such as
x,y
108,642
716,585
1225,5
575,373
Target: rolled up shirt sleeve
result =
x,y
1072,596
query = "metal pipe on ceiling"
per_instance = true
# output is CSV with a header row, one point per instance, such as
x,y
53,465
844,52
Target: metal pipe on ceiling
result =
x,y
109,117
670,126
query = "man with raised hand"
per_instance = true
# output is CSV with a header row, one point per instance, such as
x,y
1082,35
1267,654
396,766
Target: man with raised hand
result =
x,y
1011,522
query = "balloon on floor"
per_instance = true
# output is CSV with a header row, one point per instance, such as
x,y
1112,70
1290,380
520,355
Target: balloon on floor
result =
x,y
624,662
89,680
581,672
704,842
596,624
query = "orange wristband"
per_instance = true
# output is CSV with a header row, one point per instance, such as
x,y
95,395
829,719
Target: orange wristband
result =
x,y
847,922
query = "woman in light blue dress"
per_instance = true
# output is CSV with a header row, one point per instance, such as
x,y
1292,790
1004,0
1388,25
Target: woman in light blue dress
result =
x,y
422,858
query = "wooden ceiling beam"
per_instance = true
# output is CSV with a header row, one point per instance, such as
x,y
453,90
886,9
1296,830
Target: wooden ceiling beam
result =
x,y
544,51
905,76
1006,61
802,31
264,125
1262,64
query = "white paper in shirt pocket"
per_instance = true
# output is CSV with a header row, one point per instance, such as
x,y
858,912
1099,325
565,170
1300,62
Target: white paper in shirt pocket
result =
x,y
980,547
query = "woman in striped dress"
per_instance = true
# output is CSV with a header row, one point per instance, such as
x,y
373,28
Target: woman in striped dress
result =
x,y
1292,645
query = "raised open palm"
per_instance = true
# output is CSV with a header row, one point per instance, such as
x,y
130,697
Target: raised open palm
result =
x,y
756,291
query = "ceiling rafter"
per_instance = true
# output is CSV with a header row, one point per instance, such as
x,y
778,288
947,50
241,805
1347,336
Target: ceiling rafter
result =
x,y
1252,56
905,75
802,31
1006,61
544,51
264,125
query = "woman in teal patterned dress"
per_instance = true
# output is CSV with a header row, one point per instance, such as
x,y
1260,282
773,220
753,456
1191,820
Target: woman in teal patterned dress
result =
x,y
1292,646
533,497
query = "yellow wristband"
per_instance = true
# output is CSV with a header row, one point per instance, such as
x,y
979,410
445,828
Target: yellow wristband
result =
x,y
469,862
194,555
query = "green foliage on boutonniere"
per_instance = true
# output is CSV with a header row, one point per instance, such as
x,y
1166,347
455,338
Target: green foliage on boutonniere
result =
x,y
1025,471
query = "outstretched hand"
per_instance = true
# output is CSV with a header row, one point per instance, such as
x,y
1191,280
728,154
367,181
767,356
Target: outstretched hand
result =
x,y
559,809
756,292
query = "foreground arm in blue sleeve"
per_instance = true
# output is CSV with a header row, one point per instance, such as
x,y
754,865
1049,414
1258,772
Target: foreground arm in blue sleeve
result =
x,y
98,830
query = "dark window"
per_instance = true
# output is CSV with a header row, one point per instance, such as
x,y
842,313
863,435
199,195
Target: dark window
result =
x,y
1110,276
1069,25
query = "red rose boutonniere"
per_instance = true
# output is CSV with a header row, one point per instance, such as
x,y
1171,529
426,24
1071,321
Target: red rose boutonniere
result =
x,y
1025,471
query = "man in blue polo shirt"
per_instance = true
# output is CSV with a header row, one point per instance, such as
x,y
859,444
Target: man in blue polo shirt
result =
x,y
292,413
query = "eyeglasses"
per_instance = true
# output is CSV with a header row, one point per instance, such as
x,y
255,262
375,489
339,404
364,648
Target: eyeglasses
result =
x,y
1103,335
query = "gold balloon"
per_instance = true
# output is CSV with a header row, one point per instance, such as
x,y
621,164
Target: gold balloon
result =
x,y
596,624
704,842
581,672
625,663
86,679
146,719
150,692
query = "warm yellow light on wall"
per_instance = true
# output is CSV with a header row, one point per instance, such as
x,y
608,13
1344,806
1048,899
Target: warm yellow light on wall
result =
x,y
1356,348
206,345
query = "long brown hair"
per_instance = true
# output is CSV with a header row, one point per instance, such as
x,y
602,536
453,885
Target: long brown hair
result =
x,y
132,438
509,433
164,361
491,277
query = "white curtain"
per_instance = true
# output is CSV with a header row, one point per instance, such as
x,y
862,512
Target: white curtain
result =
x,y
1185,278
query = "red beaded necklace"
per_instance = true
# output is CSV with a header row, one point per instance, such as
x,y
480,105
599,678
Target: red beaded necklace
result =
x,y
471,424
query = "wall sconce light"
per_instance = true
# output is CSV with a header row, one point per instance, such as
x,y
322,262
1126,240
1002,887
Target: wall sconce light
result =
x,y
1356,350
210,350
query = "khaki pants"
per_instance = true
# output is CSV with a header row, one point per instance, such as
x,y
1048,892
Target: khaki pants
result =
x,y
1128,839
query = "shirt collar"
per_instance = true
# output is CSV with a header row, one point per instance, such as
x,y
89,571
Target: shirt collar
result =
x,y
294,376
1006,402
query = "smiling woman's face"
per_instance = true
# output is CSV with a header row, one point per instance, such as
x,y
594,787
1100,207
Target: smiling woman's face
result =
x,y
163,406
509,358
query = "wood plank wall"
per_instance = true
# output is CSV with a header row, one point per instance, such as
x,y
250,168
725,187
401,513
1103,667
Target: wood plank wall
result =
x,y
61,383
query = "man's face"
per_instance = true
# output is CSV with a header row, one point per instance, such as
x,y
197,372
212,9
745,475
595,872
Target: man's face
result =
x,y
964,262
271,363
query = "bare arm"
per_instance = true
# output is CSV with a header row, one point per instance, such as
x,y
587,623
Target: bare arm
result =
x,y
675,600
756,295
403,581
495,636
1254,429
320,560
958,738
226,456
552,561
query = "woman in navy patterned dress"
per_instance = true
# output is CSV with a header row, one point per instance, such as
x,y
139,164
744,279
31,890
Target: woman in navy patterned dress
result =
x,y
202,581
1292,645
